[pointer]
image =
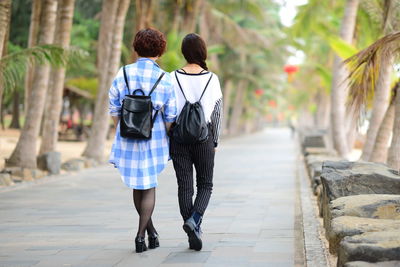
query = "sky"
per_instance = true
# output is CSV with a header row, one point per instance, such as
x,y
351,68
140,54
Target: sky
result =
x,y
288,10
287,14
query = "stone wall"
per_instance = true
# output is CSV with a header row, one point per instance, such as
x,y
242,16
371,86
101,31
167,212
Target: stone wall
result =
x,y
359,203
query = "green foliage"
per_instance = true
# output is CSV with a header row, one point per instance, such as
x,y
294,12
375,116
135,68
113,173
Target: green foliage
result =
x,y
13,66
173,58
341,48
20,20
87,84
84,35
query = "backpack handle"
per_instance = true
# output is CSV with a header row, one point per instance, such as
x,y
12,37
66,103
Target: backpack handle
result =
x,y
138,90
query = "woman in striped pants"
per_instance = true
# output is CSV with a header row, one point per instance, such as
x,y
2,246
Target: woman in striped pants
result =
x,y
189,84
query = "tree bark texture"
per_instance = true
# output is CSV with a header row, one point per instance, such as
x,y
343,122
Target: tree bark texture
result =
x,y
228,88
237,108
5,11
55,92
144,14
380,149
15,113
5,14
101,119
191,12
394,149
32,41
339,84
24,154
380,105
143,18
323,110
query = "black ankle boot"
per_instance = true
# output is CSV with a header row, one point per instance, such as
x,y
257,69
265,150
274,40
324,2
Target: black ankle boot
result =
x,y
153,241
140,244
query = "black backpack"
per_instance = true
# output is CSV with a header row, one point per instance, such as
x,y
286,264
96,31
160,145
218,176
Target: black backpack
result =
x,y
136,113
191,126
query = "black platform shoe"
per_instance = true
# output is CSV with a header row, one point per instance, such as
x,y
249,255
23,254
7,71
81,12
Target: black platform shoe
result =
x,y
140,244
153,241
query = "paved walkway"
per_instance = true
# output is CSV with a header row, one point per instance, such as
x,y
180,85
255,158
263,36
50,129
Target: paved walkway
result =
x,y
87,219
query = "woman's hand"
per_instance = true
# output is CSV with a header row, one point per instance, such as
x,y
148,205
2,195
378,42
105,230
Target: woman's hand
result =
x,y
115,120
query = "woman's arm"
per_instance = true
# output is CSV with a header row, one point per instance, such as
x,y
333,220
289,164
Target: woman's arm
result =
x,y
216,120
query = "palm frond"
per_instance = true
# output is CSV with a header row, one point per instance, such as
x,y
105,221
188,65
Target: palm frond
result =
x,y
14,65
364,68
374,10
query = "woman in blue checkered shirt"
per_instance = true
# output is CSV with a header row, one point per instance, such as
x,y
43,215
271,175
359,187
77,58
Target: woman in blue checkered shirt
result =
x,y
140,161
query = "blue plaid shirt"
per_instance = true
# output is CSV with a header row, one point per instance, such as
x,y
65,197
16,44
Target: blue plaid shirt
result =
x,y
140,161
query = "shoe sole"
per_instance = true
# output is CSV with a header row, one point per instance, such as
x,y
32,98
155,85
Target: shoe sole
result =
x,y
194,242
153,246
140,250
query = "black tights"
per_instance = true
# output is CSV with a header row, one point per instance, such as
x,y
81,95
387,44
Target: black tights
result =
x,y
144,201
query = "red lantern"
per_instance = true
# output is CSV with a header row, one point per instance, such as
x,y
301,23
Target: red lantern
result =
x,y
290,70
259,92
272,103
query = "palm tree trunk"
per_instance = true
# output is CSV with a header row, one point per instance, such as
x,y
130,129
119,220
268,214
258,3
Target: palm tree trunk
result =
x,y
177,16
339,84
381,102
32,41
5,11
237,109
394,149
5,14
101,119
24,154
380,150
144,14
53,111
228,90
323,110
191,12
143,18
15,113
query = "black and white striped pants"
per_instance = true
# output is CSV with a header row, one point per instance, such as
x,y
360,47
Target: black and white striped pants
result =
x,y
184,157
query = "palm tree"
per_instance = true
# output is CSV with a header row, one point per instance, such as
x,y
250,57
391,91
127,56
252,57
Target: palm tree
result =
x,y
32,41
110,41
364,67
394,149
338,91
53,110
387,13
24,154
5,12
379,152
144,14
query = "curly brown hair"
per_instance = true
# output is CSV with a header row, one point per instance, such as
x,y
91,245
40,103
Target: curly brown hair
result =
x,y
149,43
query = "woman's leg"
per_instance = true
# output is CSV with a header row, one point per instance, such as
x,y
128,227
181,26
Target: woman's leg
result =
x,y
146,208
203,158
183,166
137,200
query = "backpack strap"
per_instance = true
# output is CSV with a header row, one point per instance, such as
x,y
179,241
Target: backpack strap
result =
x,y
157,82
126,80
205,87
176,76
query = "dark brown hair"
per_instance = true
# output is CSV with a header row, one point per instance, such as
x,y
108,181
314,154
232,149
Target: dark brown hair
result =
x,y
149,43
194,50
